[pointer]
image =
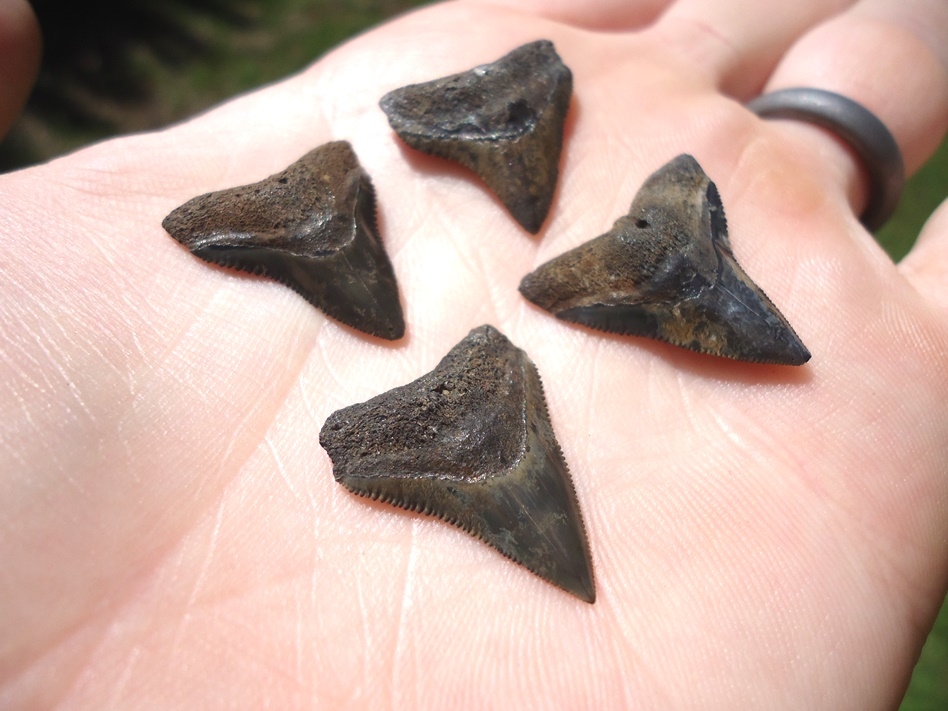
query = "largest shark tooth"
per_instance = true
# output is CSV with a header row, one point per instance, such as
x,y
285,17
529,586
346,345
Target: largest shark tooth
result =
x,y
666,270
502,120
471,443
312,227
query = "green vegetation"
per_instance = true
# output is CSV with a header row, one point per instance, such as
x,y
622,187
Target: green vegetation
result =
x,y
170,59
929,688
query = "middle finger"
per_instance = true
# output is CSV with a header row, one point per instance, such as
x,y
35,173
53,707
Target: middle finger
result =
x,y
736,43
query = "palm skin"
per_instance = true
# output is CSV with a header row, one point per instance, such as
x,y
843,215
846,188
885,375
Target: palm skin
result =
x,y
171,532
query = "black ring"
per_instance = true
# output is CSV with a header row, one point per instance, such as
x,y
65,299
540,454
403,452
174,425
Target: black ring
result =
x,y
858,127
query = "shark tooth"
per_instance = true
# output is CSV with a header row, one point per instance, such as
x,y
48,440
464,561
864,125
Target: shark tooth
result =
x,y
312,227
504,121
471,443
666,270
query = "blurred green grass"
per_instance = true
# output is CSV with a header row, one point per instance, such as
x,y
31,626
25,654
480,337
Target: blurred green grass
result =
x,y
224,49
928,690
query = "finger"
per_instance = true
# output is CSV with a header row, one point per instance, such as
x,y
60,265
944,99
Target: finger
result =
x,y
891,57
926,266
598,15
736,43
19,58
887,55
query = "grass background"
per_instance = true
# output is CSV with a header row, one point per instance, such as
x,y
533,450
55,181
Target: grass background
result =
x,y
118,66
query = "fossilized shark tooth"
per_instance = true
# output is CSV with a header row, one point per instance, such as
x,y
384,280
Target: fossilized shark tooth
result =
x,y
471,443
502,120
312,227
666,270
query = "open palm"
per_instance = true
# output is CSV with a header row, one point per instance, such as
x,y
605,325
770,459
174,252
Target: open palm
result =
x,y
762,536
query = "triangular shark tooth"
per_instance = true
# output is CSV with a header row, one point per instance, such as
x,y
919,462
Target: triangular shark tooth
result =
x,y
471,443
312,227
504,121
666,271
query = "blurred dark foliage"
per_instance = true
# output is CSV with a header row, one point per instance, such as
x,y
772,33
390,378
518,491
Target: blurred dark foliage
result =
x,y
92,50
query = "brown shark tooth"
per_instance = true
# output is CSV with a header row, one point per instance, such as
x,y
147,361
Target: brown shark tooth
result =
x,y
312,227
666,271
471,443
502,120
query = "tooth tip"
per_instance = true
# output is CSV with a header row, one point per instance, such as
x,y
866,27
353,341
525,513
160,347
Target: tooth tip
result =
x,y
585,590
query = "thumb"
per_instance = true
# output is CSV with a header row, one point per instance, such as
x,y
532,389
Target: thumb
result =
x,y
19,58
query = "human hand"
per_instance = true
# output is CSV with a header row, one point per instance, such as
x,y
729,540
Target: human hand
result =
x,y
761,536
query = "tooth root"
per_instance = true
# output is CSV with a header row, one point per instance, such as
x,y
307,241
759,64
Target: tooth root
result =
x,y
666,271
311,227
504,121
471,443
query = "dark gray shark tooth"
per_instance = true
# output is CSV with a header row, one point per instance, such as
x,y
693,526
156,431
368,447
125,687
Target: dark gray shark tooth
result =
x,y
312,227
502,120
666,271
471,443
